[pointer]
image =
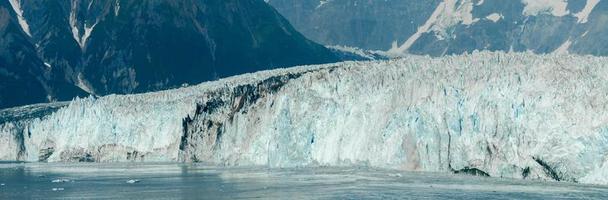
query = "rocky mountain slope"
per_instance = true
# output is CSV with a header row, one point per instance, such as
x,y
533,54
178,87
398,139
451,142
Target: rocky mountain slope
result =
x,y
24,77
119,46
444,27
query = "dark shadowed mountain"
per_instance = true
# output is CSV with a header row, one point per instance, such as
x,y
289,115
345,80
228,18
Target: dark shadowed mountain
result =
x,y
20,75
121,46
24,77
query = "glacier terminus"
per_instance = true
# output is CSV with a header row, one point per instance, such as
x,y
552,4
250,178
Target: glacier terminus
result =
x,y
512,115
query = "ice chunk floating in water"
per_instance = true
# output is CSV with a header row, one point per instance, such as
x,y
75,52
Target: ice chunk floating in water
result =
x,y
60,180
501,115
132,181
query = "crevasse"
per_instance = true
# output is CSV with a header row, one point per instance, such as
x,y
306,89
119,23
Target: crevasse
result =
x,y
505,115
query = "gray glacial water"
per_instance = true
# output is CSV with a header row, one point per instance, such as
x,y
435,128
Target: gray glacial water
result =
x,y
192,181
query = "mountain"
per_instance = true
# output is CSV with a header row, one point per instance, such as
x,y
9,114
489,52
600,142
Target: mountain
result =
x,y
444,27
118,46
24,77
19,73
504,115
372,25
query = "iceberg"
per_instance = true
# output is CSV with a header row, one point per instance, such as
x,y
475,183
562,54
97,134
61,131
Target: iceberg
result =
x,y
132,181
63,180
515,115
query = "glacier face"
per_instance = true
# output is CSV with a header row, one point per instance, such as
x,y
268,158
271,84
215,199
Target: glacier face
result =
x,y
505,115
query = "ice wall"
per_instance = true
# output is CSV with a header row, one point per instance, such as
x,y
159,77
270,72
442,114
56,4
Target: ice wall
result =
x,y
504,115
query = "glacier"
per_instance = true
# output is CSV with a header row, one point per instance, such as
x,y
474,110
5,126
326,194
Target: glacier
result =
x,y
513,115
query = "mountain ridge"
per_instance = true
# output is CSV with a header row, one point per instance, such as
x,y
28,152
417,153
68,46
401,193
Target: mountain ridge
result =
x,y
446,27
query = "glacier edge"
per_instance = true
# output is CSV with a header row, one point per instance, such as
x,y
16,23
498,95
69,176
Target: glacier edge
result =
x,y
508,115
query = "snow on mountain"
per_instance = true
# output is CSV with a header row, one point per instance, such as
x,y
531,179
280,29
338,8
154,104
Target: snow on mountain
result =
x,y
447,14
117,8
370,25
447,27
323,2
456,26
81,37
494,17
563,49
450,13
557,8
583,16
508,115
422,29
16,5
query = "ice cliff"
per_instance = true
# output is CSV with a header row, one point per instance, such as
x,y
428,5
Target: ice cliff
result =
x,y
503,115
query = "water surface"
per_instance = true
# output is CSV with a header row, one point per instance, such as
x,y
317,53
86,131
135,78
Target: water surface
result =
x,y
191,181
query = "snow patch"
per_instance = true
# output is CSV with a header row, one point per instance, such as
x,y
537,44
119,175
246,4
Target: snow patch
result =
x,y
557,8
82,85
74,24
81,38
323,2
453,13
583,16
16,5
398,50
87,34
563,49
447,14
90,4
117,8
494,17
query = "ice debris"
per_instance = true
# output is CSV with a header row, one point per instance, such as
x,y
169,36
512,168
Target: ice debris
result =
x,y
132,181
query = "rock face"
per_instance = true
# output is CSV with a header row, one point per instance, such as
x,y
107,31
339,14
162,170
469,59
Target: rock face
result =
x,y
24,78
22,81
372,25
445,27
119,46
489,114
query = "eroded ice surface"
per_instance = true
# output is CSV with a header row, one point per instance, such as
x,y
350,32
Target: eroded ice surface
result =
x,y
503,115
